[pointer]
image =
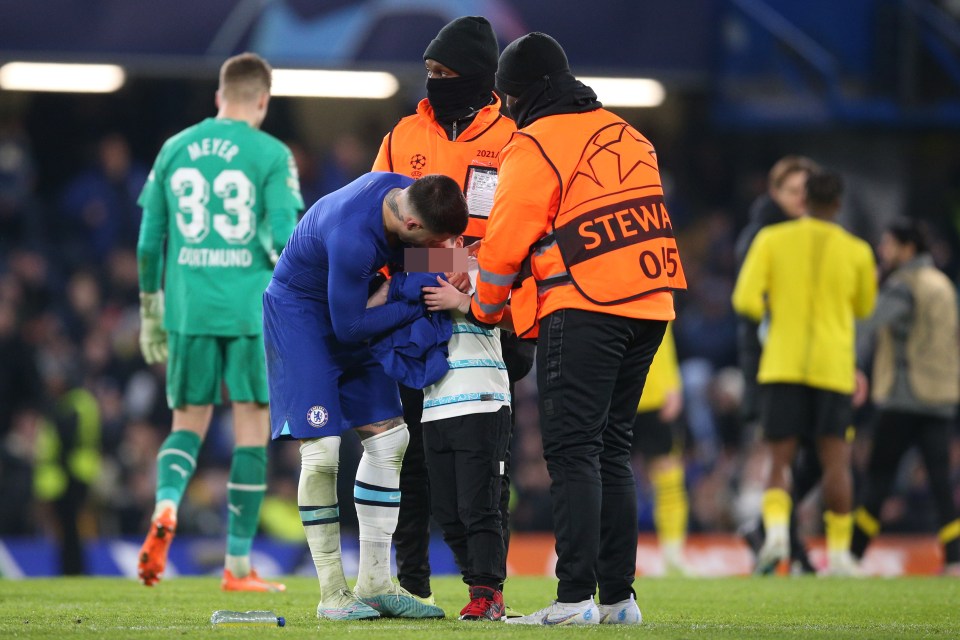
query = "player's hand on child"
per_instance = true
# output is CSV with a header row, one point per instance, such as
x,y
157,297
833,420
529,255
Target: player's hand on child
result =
x,y
446,297
460,280
153,337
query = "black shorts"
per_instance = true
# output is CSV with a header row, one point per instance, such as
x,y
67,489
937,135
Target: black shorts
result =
x,y
805,412
652,437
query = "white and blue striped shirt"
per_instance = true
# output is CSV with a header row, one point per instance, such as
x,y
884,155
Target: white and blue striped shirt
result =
x,y
477,380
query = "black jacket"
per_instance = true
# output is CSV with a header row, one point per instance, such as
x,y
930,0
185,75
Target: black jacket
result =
x,y
763,212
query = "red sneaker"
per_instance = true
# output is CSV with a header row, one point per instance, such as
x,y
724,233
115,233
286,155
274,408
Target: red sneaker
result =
x,y
485,603
250,582
153,553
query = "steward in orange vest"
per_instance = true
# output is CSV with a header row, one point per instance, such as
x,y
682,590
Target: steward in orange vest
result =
x,y
578,222
458,130
580,236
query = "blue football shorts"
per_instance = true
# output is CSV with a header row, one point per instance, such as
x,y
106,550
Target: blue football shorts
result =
x,y
320,386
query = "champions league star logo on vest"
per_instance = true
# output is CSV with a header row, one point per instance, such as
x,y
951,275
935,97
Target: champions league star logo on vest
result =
x,y
317,416
417,163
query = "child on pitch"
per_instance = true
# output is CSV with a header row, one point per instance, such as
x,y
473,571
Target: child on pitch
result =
x,y
466,430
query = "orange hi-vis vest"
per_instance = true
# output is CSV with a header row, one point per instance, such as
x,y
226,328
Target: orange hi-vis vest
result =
x,y
418,145
578,222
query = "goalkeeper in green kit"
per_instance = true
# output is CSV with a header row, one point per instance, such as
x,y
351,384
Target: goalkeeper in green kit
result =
x,y
224,196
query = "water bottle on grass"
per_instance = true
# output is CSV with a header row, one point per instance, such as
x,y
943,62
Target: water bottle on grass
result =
x,y
226,618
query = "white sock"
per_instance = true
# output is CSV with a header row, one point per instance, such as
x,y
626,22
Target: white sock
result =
x,y
239,566
778,536
162,505
376,493
319,512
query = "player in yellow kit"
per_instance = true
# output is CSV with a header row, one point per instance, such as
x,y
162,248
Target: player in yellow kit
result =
x,y
654,436
812,279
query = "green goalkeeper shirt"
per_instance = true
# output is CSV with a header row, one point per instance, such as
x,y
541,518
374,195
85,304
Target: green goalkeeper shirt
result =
x,y
225,197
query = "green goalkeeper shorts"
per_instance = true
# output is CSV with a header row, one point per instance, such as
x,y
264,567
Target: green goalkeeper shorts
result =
x,y
200,365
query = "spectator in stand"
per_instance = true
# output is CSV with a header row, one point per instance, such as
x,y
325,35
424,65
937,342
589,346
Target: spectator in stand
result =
x,y
20,405
21,215
100,204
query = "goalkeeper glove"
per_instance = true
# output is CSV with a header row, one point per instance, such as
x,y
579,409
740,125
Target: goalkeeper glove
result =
x,y
153,337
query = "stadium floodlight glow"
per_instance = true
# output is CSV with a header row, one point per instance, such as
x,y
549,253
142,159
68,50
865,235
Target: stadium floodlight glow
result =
x,y
62,77
627,92
320,83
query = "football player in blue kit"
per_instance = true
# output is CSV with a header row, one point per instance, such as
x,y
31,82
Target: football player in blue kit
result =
x,y
324,380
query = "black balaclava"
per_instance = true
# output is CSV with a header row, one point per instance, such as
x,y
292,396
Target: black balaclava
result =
x,y
468,46
534,70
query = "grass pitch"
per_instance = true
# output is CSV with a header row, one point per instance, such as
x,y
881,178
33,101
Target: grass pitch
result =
x,y
672,608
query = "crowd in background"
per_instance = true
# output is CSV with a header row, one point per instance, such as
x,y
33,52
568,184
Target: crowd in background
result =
x,y
69,355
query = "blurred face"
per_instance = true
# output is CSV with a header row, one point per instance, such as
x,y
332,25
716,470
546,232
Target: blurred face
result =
x,y
446,255
437,71
790,195
114,155
84,293
893,254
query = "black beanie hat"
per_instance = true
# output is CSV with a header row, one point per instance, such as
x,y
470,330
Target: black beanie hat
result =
x,y
467,45
526,60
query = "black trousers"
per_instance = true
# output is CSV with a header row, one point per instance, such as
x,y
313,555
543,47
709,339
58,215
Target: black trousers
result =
x,y
591,368
895,433
748,357
466,460
412,536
